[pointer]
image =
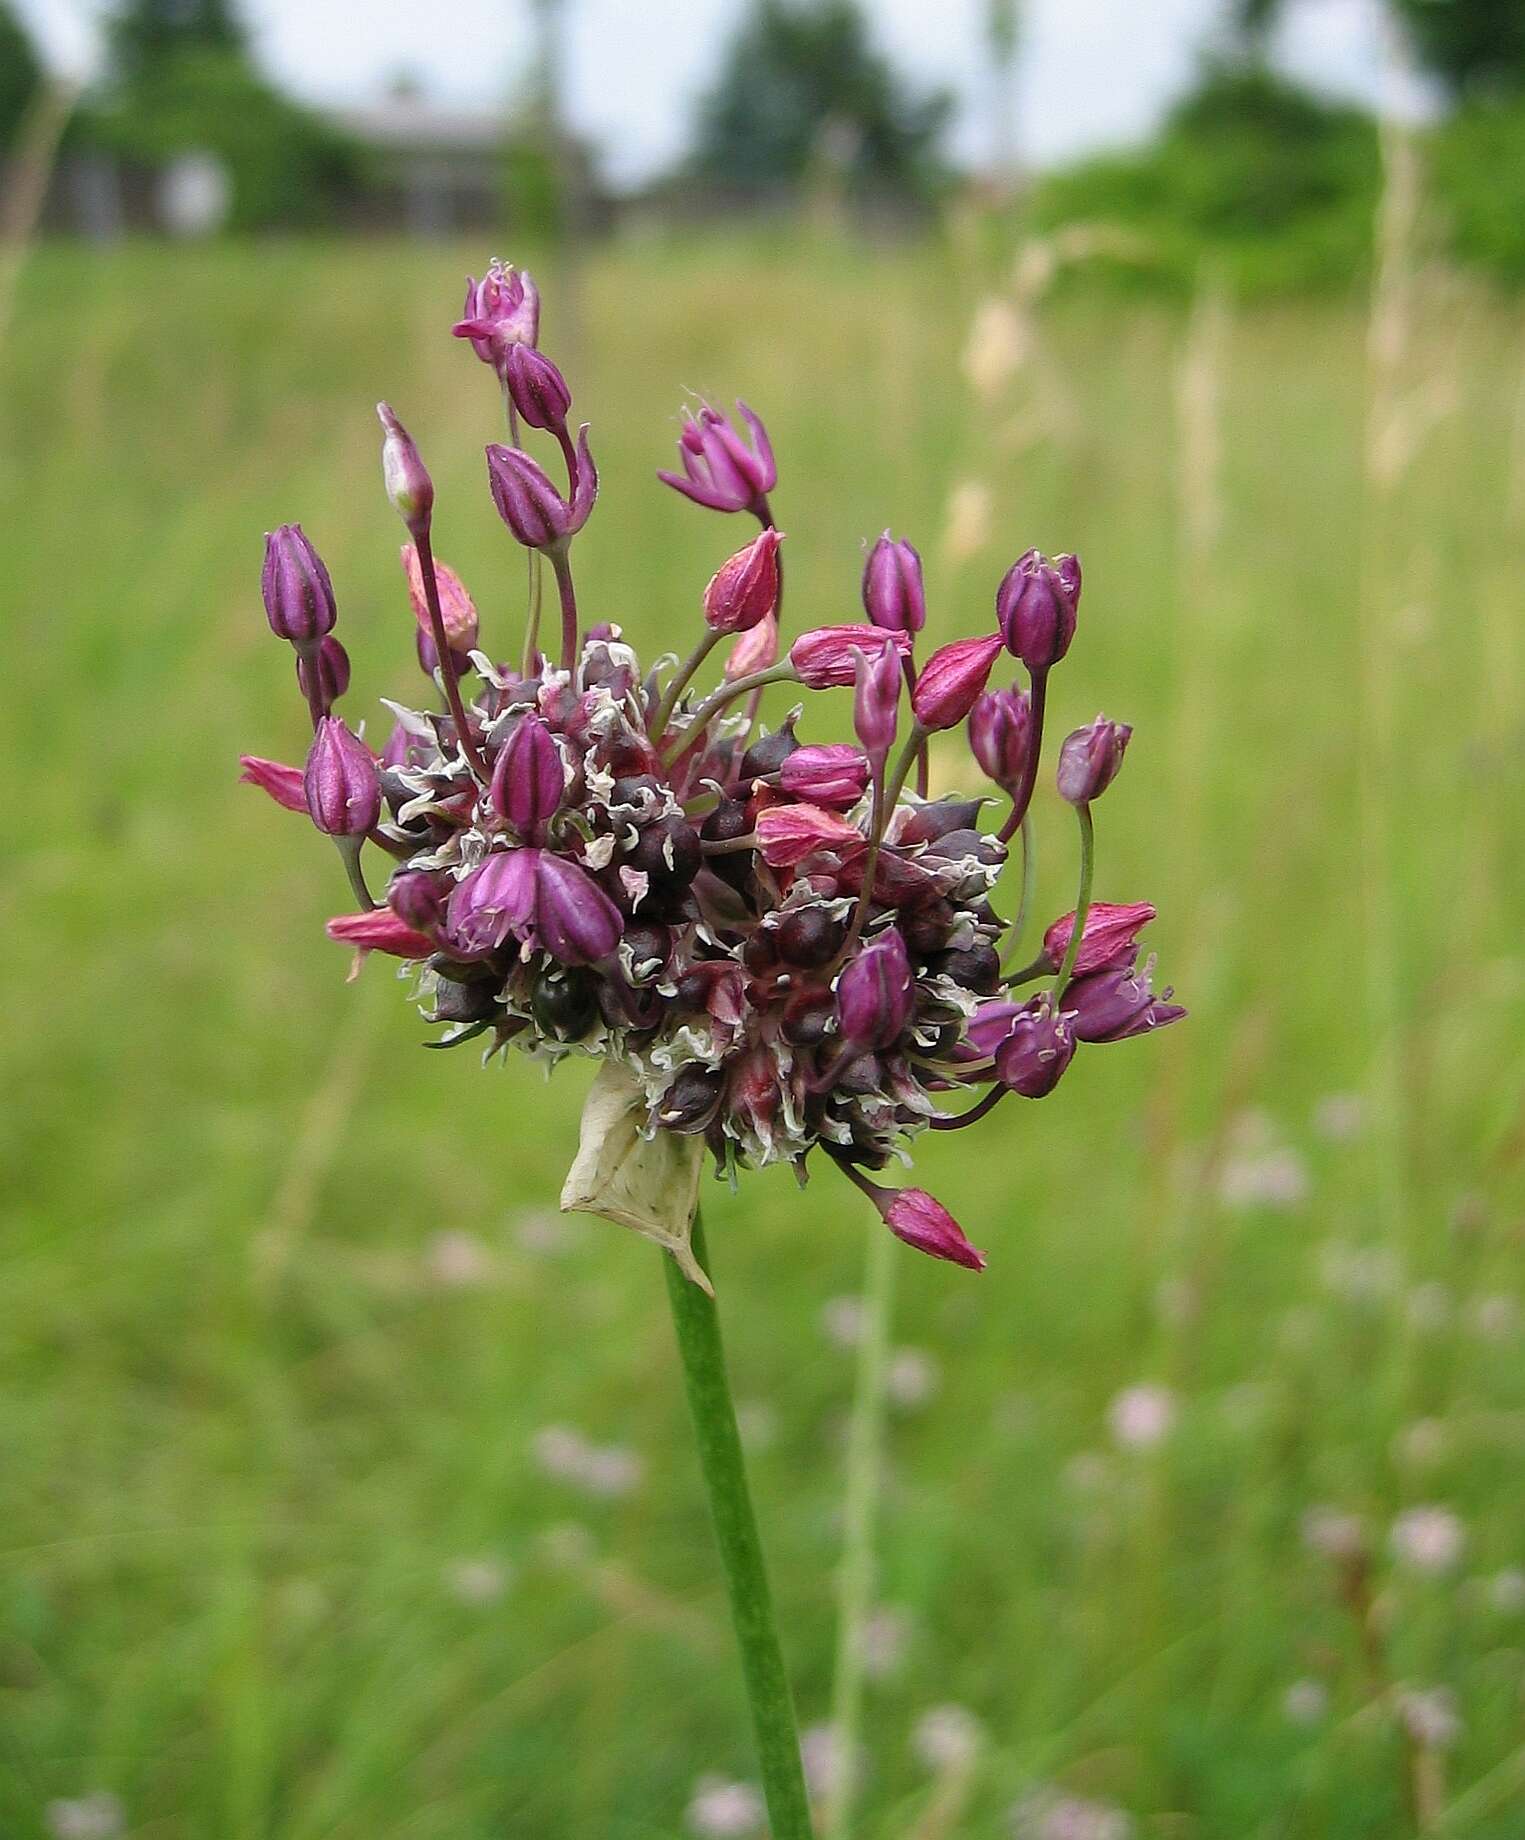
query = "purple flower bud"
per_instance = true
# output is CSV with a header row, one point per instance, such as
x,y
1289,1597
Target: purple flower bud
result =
x,y
874,992
495,899
408,484
530,505
825,658
1108,940
893,596
1115,1003
1001,736
283,783
576,920
299,597
330,664
1035,1051
833,775
502,310
1036,605
528,780
379,931
537,388
876,701
1090,758
922,1221
340,783
951,679
416,900
743,591
719,468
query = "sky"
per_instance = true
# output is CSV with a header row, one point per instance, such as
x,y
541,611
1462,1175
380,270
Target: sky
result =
x,y
1093,73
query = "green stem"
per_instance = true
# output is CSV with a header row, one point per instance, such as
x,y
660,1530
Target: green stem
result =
x,y
697,1323
860,1513
1083,903
1029,876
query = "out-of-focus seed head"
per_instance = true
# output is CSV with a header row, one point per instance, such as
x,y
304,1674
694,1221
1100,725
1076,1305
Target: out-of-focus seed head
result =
x,y
407,481
720,469
922,1221
952,678
826,657
298,595
1036,606
893,596
340,783
536,388
1001,736
743,591
874,992
1090,759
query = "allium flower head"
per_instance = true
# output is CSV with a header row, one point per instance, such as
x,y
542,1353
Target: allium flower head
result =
x,y
776,950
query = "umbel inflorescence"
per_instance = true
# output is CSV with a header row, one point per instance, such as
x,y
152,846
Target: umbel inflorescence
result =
x,y
784,947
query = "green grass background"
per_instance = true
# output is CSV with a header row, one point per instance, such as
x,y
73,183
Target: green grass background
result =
x,y
246,1431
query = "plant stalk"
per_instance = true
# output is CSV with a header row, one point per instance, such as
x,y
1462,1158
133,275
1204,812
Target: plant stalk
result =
x,y
697,1323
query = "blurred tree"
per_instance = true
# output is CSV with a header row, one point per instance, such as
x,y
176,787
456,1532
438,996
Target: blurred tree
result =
x,y
20,75
1002,36
1470,45
798,76
182,81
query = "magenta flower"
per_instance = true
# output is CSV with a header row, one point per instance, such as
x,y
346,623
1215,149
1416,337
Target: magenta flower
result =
x,y
787,834
1001,736
826,657
502,310
893,596
380,931
876,701
720,469
1036,608
1090,759
874,998
536,388
1116,1002
283,783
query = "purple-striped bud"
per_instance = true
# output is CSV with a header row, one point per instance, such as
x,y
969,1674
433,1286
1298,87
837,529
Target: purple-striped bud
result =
x,y
502,310
530,505
1036,605
528,780
951,679
340,783
825,658
407,480
922,1221
893,596
537,388
1116,1003
329,664
283,783
874,992
1090,758
1001,736
743,591
832,775
576,920
720,469
1035,1050
416,900
876,701
495,899
298,596
1108,940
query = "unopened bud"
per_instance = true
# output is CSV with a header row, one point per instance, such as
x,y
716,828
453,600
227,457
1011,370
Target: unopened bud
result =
x,y
893,596
298,595
744,590
576,920
1090,759
530,505
1036,606
876,701
1001,736
340,784
536,388
874,993
408,484
952,679
922,1221
528,779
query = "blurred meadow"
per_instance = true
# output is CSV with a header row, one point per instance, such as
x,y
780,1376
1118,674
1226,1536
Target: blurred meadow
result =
x,y
348,1491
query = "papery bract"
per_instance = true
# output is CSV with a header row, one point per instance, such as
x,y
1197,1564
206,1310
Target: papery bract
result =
x,y
1109,937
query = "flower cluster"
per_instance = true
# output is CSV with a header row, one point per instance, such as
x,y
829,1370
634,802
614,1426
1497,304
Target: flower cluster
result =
x,y
787,946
